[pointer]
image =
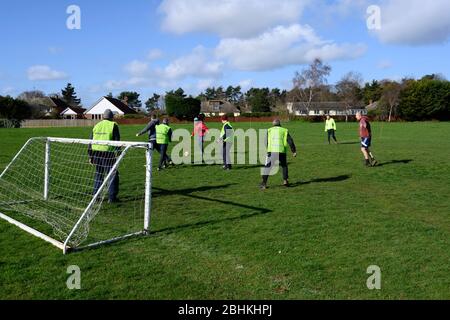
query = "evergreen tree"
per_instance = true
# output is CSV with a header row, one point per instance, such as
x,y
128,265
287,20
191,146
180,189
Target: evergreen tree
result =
x,y
69,96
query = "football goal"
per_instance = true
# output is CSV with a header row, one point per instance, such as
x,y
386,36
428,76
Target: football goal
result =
x,y
59,189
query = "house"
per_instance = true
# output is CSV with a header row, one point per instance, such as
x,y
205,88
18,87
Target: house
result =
x,y
212,108
317,109
52,106
73,113
119,108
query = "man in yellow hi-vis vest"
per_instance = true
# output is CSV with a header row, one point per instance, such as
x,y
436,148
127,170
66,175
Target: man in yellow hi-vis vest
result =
x,y
278,139
226,138
330,128
104,157
163,138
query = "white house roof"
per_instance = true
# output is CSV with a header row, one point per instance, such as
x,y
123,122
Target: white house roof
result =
x,y
115,105
72,111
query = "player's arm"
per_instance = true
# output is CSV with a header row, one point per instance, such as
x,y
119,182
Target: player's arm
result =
x,y
90,152
292,145
146,129
116,136
169,134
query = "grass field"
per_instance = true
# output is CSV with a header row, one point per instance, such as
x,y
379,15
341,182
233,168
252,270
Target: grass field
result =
x,y
217,236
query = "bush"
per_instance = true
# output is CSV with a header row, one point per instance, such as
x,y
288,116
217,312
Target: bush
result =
x,y
11,108
182,108
135,116
426,99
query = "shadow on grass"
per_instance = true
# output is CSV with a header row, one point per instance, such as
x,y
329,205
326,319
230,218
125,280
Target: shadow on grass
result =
x,y
349,142
393,162
322,180
188,193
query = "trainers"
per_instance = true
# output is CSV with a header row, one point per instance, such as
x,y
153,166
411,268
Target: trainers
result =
x,y
263,186
286,183
374,163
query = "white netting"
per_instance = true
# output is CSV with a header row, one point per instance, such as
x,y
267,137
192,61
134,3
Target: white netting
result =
x,y
74,177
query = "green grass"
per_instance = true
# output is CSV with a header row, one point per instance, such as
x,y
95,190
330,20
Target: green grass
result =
x,y
217,236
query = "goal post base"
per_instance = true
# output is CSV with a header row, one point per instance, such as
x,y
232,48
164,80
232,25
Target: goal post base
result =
x,y
32,231
110,241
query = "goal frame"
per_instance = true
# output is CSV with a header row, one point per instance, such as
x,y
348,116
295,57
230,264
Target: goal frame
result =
x,y
64,246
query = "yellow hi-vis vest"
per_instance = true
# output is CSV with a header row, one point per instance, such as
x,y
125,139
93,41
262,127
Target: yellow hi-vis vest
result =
x,y
162,136
103,131
277,140
330,125
222,132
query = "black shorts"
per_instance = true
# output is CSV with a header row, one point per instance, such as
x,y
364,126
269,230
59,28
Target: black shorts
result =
x,y
366,142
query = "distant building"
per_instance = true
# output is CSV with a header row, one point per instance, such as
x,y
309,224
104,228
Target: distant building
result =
x,y
212,108
119,108
317,109
54,106
73,113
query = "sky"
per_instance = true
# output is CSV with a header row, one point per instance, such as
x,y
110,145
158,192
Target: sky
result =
x,y
153,46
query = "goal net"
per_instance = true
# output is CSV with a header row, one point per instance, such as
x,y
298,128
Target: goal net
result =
x,y
60,190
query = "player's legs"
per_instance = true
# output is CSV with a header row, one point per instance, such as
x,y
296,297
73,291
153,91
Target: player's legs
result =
x,y
162,148
226,150
284,167
100,170
333,132
114,188
373,161
329,136
271,161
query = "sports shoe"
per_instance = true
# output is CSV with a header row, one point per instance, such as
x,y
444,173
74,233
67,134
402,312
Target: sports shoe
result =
x,y
373,162
286,183
263,186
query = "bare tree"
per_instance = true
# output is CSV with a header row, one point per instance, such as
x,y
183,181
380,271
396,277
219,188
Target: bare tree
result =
x,y
349,90
308,82
391,95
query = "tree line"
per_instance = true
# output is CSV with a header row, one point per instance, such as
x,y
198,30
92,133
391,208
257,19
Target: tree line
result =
x,y
409,99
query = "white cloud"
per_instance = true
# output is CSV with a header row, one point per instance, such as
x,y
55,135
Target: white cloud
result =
x,y
414,22
283,46
195,64
245,84
136,68
44,73
154,54
229,18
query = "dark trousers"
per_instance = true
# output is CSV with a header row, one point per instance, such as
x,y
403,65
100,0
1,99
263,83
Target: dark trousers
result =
x,y
272,159
162,149
331,134
201,145
226,154
104,161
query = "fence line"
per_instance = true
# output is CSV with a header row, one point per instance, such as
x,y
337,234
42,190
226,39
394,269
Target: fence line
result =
x,y
58,123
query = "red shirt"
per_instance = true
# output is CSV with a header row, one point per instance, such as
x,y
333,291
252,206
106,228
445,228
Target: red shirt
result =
x,y
364,128
200,129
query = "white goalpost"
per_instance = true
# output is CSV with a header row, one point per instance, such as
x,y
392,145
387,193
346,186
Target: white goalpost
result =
x,y
54,188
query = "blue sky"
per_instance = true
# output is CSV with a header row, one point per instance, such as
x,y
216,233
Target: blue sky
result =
x,y
157,45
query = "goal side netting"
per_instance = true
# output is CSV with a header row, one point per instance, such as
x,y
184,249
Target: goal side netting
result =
x,y
60,189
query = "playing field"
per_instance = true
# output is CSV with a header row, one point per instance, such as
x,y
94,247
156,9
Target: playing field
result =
x,y
217,236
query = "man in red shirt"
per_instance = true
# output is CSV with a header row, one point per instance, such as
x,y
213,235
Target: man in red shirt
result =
x,y
200,130
365,132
